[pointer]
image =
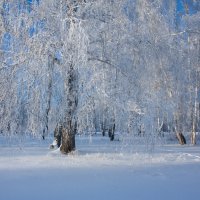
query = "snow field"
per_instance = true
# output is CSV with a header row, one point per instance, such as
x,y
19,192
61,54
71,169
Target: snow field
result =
x,y
98,169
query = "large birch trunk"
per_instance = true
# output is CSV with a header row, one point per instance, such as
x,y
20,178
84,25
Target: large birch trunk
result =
x,y
68,140
70,121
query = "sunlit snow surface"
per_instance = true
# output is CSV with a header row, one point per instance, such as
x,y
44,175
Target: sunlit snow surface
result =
x,y
99,169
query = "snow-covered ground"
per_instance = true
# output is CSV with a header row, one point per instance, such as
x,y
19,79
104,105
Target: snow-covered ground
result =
x,y
99,169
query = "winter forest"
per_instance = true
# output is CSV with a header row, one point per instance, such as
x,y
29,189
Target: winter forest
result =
x,y
132,66
118,74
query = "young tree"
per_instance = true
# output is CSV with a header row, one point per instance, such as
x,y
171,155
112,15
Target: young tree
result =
x,y
193,49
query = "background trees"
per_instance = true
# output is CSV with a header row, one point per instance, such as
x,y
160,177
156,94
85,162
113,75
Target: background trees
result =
x,y
129,66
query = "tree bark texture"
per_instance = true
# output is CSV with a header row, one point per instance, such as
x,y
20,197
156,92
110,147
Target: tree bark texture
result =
x,y
68,141
70,121
181,138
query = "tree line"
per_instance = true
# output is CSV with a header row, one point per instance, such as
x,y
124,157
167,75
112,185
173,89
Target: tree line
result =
x,y
98,66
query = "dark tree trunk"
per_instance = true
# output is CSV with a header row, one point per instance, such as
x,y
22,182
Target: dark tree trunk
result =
x,y
58,134
70,121
103,129
179,127
111,132
181,138
68,141
103,132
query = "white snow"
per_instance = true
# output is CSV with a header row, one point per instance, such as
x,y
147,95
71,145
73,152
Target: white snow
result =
x,y
98,169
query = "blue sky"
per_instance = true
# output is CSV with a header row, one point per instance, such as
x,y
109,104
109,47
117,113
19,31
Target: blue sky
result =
x,y
193,6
